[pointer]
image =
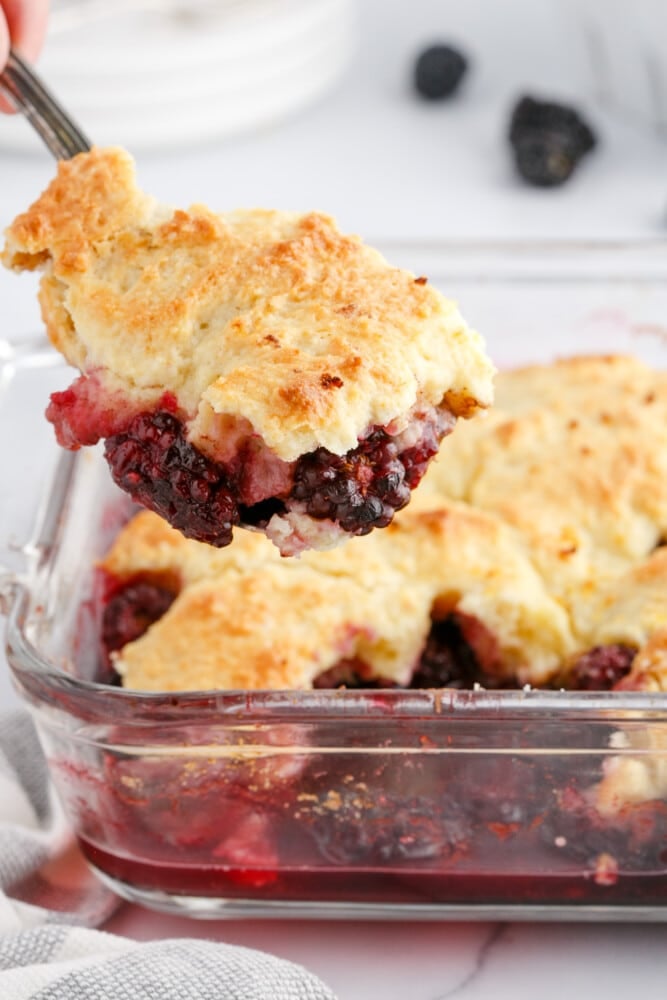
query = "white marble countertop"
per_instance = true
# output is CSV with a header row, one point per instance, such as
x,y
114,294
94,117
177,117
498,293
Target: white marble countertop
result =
x,y
392,168
436,961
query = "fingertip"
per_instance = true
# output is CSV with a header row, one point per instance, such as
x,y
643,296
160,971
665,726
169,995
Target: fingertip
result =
x,y
5,105
22,25
27,24
4,40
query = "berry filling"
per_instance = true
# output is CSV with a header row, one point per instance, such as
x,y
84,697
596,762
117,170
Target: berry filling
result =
x,y
601,668
637,833
360,491
153,462
130,611
204,497
81,416
447,660
442,828
364,488
349,826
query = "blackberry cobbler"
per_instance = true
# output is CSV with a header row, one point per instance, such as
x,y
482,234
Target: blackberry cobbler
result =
x,y
500,574
534,556
256,368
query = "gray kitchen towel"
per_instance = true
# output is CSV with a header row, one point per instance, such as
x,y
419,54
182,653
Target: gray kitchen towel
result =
x,y
46,953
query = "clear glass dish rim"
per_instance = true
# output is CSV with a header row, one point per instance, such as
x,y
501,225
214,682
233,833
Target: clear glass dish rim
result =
x,y
520,261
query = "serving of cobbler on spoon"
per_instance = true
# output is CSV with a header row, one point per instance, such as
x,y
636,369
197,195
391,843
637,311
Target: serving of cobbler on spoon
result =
x,y
254,368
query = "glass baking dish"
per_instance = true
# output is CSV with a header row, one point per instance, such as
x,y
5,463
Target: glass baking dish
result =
x,y
388,804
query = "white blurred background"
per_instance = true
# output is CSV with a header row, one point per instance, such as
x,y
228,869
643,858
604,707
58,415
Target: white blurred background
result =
x,y
309,104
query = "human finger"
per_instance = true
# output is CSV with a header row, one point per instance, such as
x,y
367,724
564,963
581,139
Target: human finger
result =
x,y
4,52
22,25
27,20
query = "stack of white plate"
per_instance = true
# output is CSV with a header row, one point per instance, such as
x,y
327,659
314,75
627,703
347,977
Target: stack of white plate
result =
x,y
163,73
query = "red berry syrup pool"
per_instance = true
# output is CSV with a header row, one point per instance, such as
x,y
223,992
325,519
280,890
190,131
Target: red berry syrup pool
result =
x,y
305,828
559,886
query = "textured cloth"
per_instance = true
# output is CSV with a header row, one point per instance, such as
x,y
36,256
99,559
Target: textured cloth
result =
x,y
45,953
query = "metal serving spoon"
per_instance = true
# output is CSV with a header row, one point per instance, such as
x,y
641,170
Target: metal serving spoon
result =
x,y
55,127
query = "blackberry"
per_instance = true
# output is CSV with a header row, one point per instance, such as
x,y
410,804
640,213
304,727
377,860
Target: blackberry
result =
x,y
438,71
360,490
153,462
501,791
351,825
548,141
130,612
415,460
447,660
601,668
531,115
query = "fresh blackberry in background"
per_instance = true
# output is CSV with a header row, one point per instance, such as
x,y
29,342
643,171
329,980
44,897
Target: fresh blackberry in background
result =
x,y
548,140
439,71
